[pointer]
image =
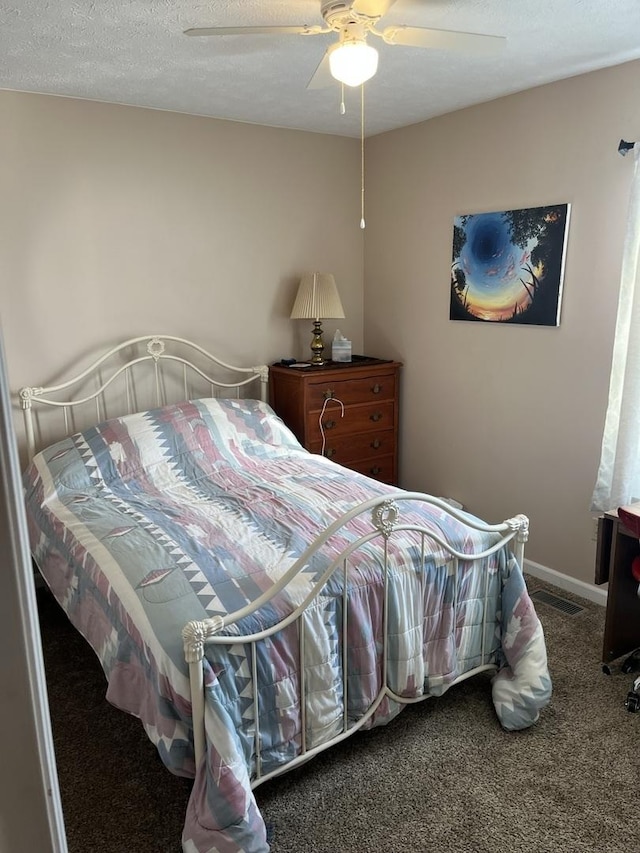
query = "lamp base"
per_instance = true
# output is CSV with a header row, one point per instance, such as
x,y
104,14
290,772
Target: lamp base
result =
x,y
317,344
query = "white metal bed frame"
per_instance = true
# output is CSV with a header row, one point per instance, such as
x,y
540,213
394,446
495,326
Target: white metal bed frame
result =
x,y
383,515
156,355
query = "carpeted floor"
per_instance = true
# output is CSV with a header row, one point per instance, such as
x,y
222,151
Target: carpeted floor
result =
x,y
443,777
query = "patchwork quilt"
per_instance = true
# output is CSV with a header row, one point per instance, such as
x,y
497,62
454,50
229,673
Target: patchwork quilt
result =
x,y
146,522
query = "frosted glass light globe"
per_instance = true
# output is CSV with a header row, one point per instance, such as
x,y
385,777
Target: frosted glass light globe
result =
x,y
353,62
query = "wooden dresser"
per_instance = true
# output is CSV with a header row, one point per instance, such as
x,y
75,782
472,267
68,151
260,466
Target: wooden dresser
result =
x,y
366,437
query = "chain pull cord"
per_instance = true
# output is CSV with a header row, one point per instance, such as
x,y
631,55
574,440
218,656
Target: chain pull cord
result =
x,y
343,109
362,222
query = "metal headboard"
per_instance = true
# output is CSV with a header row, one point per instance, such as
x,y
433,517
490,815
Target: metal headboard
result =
x,y
156,351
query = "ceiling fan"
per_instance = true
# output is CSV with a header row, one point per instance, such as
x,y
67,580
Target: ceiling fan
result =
x,y
351,60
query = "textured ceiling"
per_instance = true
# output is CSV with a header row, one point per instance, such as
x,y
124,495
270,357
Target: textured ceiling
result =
x,y
134,52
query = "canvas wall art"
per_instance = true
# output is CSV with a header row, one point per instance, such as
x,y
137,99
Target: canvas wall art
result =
x,y
508,266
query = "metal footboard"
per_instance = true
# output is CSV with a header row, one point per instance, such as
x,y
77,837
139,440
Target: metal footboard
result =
x,y
385,520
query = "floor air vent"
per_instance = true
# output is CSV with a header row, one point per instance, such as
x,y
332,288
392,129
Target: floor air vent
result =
x,y
563,604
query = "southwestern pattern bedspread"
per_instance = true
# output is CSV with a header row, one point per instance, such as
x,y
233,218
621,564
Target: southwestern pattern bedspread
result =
x,y
189,511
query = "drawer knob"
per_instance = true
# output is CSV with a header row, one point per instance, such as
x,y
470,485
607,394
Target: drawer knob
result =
x,y
375,470
376,416
329,424
328,394
376,443
377,388
329,452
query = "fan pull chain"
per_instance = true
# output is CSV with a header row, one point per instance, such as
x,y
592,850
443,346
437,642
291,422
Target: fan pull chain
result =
x,y
343,109
362,222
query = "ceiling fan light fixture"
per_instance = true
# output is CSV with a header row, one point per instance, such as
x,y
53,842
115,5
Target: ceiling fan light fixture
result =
x,y
353,62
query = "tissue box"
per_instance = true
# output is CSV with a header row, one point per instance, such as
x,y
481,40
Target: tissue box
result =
x,y
341,350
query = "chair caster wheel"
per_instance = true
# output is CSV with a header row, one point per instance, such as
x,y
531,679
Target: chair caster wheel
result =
x,y
633,702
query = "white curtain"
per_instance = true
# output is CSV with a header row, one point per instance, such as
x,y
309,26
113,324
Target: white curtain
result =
x,y
618,481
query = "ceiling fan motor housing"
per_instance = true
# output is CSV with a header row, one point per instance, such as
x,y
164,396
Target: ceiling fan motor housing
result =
x,y
334,6
338,13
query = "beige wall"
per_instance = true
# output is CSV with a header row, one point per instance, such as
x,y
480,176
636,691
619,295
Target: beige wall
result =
x,y
505,418
118,221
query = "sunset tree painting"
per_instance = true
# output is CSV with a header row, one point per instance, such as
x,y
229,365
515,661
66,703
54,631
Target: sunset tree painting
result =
x,y
508,266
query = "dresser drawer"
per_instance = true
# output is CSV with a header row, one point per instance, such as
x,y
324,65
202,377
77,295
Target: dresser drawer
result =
x,y
374,416
346,449
349,391
382,469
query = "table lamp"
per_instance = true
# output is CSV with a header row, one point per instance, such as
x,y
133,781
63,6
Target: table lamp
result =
x,y
317,299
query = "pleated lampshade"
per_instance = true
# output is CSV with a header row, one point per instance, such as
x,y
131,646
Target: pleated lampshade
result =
x,y
317,298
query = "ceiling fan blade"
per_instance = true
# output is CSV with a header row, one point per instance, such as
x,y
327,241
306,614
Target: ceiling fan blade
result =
x,y
322,77
255,31
442,39
372,8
